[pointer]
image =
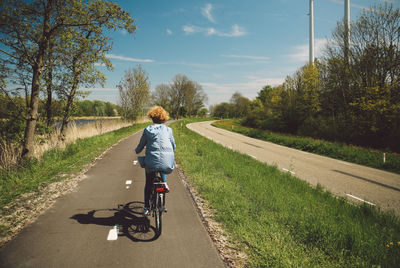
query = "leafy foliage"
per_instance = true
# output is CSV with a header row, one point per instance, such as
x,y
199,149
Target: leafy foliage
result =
x,y
61,40
134,93
351,95
182,97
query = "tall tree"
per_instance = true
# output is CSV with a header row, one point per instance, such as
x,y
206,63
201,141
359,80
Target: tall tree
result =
x,y
178,86
27,27
186,95
241,104
161,96
134,93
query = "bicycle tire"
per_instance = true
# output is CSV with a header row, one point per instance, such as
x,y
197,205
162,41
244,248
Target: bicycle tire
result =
x,y
158,214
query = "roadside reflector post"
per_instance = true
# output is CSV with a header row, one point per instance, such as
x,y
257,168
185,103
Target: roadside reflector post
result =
x,y
384,157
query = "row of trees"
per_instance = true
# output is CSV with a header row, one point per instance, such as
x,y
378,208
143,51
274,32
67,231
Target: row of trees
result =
x,y
237,107
12,124
49,48
181,97
79,108
94,108
352,94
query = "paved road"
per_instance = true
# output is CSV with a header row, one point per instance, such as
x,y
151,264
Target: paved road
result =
x,y
73,233
341,178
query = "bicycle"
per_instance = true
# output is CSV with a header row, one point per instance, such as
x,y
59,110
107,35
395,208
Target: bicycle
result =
x,y
157,201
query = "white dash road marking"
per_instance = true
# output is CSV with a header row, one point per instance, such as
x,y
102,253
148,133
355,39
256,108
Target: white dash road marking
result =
x,y
113,234
362,200
287,170
128,182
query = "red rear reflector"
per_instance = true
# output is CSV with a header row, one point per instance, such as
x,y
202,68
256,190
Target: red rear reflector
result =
x,y
160,189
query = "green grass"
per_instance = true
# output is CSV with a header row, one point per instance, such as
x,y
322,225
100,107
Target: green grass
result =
x,y
354,154
74,157
281,221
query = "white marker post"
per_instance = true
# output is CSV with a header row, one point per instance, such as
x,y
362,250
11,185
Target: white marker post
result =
x,y
384,157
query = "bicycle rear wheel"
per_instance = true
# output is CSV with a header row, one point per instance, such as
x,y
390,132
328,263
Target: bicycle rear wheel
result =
x,y
158,213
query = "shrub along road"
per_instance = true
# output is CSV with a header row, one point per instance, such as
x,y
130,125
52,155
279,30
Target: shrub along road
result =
x,y
352,181
74,232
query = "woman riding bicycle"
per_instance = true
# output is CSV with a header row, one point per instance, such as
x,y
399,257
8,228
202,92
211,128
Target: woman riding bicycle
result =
x,y
160,148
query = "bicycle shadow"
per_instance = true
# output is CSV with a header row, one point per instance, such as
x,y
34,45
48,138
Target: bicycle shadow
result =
x,y
129,218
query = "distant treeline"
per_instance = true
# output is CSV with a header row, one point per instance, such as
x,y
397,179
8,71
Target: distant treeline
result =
x,y
351,94
80,108
13,114
95,108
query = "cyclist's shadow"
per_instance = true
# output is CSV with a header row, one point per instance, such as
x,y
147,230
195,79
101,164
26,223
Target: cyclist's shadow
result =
x,y
129,218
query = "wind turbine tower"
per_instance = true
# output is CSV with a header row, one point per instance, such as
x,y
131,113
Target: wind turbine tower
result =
x,y
311,54
347,29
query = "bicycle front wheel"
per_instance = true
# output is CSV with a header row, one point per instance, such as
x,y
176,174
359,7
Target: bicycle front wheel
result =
x,y
158,213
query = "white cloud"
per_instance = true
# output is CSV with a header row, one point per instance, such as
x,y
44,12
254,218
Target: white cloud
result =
x,y
236,31
112,56
245,57
211,31
206,12
301,53
169,32
190,29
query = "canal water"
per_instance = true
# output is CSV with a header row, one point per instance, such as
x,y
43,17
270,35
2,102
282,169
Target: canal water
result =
x,y
82,122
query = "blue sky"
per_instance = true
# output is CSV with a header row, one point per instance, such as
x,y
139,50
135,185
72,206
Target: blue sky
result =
x,y
226,46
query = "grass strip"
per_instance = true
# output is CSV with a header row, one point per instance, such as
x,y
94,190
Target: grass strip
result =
x,y
354,154
281,221
74,157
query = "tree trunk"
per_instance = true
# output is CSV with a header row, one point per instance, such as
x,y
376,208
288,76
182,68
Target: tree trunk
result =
x,y
49,83
31,120
70,100
66,117
27,150
49,111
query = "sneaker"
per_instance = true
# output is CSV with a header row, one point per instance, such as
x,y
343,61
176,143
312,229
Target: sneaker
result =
x,y
146,212
166,187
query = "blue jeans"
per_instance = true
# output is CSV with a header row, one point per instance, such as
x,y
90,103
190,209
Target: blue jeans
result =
x,y
149,184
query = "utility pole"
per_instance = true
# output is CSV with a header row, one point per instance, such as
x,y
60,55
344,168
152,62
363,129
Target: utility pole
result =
x,y
311,32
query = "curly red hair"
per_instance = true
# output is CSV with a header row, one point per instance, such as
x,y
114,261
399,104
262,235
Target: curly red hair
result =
x,y
158,114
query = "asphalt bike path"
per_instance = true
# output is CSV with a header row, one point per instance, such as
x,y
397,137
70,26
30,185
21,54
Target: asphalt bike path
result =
x,y
354,182
74,232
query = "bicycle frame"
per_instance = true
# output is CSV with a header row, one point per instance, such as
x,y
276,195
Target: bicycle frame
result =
x,y
157,202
